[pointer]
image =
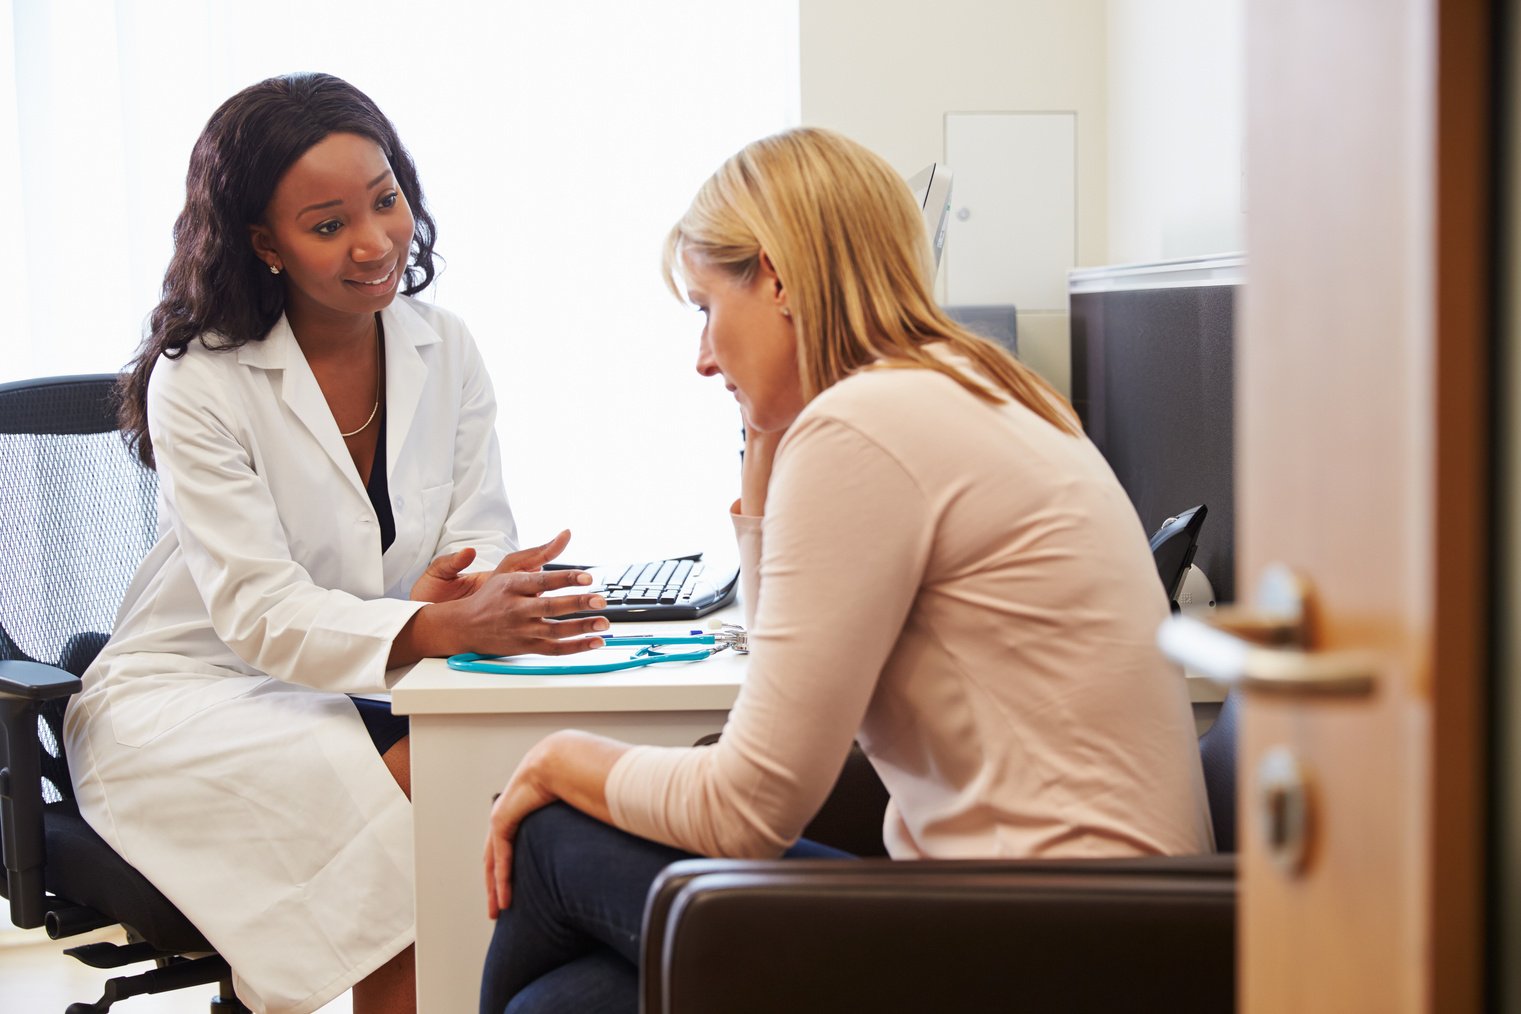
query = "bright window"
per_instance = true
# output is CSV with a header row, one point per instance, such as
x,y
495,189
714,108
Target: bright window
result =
x,y
556,142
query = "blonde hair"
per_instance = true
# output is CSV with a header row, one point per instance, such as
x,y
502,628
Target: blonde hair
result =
x,y
848,244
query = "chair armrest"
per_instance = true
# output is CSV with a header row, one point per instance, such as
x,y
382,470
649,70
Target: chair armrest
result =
x,y
34,681
23,688
1097,935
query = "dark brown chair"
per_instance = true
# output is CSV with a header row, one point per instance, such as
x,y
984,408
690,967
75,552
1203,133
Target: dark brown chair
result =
x,y
1146,934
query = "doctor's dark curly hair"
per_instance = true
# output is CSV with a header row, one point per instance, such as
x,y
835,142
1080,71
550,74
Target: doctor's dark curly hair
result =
x,y
215,285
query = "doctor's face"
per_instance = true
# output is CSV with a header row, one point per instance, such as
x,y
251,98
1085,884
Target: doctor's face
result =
x,y
339,228
747,340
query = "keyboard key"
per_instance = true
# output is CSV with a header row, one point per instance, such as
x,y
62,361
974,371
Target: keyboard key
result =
x,y
635,594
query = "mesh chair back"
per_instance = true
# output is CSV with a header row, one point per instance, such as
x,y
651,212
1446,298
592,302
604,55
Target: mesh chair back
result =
x,y
77,515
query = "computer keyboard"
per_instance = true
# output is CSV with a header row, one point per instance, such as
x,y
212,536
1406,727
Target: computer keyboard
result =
x,y
676,589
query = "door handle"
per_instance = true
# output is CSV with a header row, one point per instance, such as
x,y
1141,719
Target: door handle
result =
x,y
1266,650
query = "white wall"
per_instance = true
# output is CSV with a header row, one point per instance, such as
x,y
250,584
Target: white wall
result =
x,y
1177,78
886,72
556,144
1157,86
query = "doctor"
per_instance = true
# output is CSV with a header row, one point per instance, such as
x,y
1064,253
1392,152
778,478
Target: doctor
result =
x,y
330,506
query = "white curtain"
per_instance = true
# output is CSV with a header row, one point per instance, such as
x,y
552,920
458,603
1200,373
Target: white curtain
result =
x,y
556,142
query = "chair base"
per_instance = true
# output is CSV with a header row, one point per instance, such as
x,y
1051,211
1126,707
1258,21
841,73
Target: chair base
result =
x,y
178,974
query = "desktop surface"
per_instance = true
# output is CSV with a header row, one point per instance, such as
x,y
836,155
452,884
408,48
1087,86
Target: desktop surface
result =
x,y
469,730
430,687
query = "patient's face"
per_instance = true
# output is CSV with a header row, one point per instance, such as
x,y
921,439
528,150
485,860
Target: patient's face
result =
x,y
749,342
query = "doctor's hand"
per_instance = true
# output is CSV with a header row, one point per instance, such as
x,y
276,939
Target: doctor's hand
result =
x,y
511,614
505,612
444,582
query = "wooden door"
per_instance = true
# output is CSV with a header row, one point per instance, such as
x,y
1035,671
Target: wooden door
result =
x,y
1361,434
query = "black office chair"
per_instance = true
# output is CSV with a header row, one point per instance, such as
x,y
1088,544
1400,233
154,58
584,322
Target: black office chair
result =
x,y
1151,933
77,513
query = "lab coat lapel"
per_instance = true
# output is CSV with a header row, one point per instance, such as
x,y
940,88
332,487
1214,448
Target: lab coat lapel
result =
x,y
406,373
299,391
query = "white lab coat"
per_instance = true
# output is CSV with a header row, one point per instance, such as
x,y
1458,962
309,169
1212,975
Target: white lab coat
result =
x,y
212,744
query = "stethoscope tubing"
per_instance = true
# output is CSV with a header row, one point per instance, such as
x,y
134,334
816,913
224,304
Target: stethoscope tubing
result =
x,y
472,662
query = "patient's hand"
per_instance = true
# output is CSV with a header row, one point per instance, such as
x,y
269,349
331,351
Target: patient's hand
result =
x,y
755,477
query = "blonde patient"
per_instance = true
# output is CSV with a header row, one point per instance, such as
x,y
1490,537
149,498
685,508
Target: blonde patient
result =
x,y
909,483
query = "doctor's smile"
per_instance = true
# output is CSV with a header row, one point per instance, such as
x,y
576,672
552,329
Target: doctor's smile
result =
x,y
382,286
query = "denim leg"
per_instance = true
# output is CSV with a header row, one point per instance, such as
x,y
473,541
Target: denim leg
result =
x,y
597,983
578,885
806,849
578,894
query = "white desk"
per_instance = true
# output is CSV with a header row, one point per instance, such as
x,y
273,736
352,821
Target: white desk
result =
x,y
469,730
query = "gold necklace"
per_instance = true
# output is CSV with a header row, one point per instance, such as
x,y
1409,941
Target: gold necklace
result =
x,y
379,379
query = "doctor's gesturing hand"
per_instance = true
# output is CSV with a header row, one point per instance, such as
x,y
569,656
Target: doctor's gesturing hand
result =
x,y
444,581
501,612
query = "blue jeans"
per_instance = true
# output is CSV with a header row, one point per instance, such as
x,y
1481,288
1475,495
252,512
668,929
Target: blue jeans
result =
x,y
570,939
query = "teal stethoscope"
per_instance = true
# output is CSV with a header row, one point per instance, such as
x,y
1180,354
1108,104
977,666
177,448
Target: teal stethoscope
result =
x,y
728,636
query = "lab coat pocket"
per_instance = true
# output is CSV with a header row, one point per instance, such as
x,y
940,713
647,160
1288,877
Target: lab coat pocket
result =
x,y
420,518
147,707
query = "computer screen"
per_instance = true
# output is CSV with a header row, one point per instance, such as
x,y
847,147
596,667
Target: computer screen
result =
x,y
932,189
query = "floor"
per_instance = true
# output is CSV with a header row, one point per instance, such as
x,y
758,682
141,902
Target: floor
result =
x,y
37,978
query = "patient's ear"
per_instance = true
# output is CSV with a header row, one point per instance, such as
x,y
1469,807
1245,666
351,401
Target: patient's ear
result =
x,y
772,279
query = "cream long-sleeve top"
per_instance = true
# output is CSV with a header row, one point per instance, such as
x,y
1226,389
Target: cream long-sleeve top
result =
x,y
968,592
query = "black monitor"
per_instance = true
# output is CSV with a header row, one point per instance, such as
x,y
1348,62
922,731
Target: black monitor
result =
x,y
1152,380
1173,547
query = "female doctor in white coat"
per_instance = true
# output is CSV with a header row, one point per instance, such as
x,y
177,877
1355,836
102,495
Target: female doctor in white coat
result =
x,y
330,506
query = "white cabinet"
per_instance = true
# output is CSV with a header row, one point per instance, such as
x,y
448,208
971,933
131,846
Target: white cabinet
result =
x,y
1013,231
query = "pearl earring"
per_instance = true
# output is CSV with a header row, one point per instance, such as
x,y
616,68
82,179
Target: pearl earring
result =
x,y
274,269
786,312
